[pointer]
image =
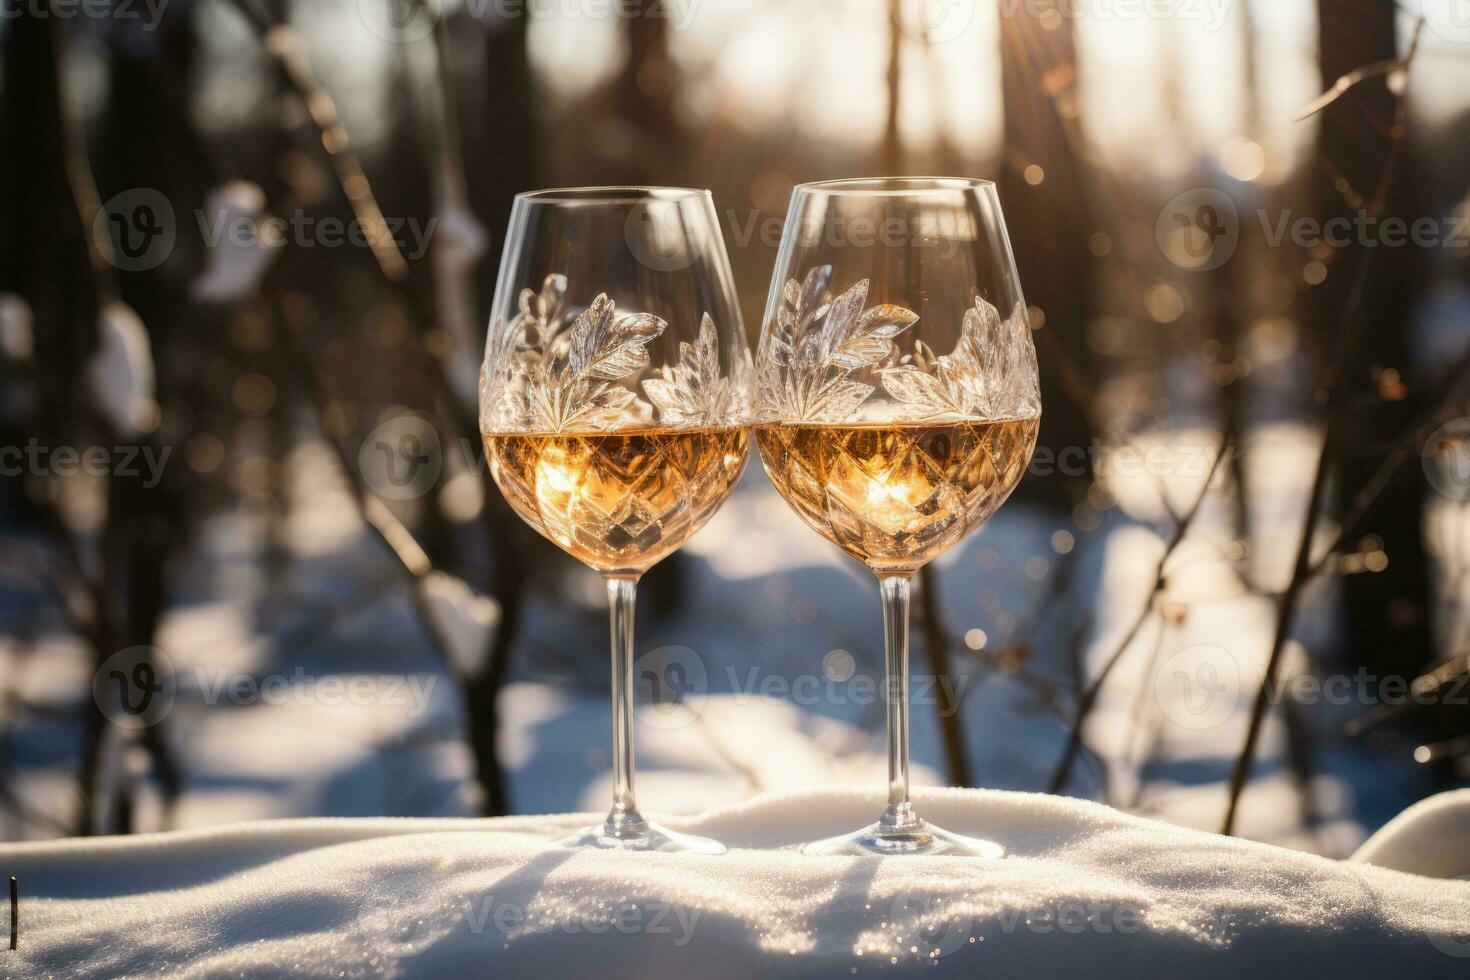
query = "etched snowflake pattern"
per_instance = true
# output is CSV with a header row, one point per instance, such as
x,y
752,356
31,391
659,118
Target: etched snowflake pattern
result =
x,y
693,392
990,374
818,344
546,376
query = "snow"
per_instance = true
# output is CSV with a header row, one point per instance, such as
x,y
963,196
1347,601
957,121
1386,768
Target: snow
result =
x,y
1085,887
1432,837
121,371
240,251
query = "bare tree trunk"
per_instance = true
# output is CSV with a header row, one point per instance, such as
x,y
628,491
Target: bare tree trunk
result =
x,y
1042,187
52,273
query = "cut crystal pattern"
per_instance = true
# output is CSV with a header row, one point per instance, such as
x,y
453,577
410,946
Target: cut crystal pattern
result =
x,y
896,496
619,500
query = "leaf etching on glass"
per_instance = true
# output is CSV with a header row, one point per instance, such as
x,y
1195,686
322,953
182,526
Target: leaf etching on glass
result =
x,y
545,374
818,343
991,373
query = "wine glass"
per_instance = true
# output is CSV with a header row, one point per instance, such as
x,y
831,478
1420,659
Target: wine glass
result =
x,y
615,404
897,406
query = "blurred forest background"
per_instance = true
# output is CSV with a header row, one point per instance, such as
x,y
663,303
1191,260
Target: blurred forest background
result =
x,y
1253,472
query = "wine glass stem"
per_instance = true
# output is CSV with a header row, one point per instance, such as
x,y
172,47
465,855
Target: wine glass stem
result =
x,y
895,590
624,819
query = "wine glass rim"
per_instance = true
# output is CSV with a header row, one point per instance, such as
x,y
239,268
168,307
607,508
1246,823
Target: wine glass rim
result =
x,y
895,186
611,194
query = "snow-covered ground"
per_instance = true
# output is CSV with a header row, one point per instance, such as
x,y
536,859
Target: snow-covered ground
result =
x,y
1085,890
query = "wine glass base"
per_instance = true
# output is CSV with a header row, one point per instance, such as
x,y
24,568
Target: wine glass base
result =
x,y
643,836
917,838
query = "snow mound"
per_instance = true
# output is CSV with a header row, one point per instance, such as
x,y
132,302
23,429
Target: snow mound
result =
x,y
1086,890
1432,837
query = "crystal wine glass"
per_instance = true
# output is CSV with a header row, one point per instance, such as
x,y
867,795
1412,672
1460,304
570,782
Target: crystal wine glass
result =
x,y
897,406
615,404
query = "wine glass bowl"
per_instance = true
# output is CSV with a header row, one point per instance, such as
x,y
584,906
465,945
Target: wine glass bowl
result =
x,y
897,404
615,404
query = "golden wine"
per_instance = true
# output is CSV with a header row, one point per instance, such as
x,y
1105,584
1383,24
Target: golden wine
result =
x,y
897,495
618,501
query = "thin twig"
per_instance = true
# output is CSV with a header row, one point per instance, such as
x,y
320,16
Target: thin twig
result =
x,y
1348,82
1088,698
286,48
1352,323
